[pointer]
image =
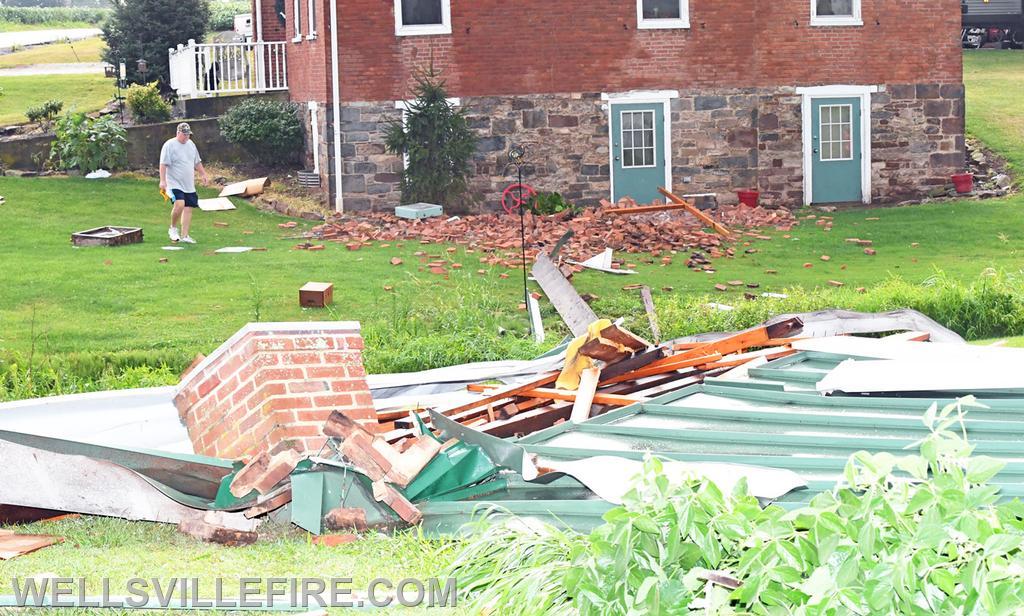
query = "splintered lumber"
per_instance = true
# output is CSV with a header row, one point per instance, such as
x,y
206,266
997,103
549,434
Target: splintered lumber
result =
x,y
211,533
269,504
652,317
625,338
633,363
585,395
756,337
731,361
645,209
709,221
528,422
498,394
570,306
571,396
669,364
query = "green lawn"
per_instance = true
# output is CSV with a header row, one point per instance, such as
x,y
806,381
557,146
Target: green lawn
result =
x,y
79,93
995,102
197,298
86,50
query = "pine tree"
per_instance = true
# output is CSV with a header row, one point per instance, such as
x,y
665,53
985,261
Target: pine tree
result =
x,y
438,143
146,29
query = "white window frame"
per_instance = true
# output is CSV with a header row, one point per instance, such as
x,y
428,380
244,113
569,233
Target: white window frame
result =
x,y
403,106
445,27
663,24
836,20
297,11
633,130
821,132
311,20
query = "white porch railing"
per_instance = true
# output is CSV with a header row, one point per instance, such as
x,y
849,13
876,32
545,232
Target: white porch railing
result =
x,y
208,69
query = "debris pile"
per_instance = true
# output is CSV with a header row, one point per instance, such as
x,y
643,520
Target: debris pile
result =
x,y
593,231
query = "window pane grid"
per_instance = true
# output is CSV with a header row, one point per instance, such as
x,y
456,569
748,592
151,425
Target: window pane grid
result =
x,y
836,132
637,139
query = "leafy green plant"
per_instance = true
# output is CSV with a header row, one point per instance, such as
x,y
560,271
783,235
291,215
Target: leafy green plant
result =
x,y
269,130
437,142
910,534
548,203
88,144
44,113
146,104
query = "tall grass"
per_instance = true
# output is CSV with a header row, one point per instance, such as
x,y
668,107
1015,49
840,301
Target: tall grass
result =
x,y
56,15
466,323
990,306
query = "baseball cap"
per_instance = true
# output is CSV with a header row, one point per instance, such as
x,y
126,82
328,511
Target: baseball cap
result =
x,y
185,128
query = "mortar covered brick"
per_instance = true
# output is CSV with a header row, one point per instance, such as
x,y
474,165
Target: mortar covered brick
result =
x,y
273,383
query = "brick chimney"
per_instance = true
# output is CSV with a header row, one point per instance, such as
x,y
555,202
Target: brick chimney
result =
x,y
274,382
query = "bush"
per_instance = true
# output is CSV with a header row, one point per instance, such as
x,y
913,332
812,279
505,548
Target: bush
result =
x,y
911,534
548,203
45,112
436,139
88,144
222,14
53,15
269,130
148,28
146,103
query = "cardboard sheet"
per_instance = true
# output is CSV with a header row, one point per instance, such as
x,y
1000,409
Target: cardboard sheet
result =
x,y
217,204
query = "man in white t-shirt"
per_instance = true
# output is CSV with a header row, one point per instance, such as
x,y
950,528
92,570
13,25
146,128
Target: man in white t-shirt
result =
x,y
179,161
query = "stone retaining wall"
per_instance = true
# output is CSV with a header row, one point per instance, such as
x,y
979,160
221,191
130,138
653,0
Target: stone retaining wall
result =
x,y
722,140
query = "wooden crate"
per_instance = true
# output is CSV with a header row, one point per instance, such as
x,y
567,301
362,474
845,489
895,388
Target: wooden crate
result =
x,y
107,236
316,294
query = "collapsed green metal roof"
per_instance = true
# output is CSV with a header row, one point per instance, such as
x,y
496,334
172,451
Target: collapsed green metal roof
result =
x,y
771,416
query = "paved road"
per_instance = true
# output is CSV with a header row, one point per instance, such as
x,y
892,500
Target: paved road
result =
x,y
80,68
40,37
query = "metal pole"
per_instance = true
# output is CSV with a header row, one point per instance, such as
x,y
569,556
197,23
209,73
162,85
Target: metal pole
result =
x,y
522,239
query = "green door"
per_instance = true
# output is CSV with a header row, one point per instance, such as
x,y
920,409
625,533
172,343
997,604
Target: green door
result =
x,y
836,150
638,151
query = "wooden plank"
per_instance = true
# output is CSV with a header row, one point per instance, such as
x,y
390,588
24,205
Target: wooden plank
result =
x,y
666,366
633,363
738,360
498,394
570,396
652,317
585,395
529,422
570,306
536,323
709,221
646,209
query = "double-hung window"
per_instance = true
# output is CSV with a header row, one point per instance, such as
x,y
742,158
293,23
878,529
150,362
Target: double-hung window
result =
x,y
297,14
662,14
311,19
414,17
836,13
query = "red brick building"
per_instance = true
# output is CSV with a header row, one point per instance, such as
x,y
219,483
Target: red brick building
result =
x,y
807,100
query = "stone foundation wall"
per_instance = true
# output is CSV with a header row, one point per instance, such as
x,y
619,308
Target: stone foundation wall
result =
x,y
722,140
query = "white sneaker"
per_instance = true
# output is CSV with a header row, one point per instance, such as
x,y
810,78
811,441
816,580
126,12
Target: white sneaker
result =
x,y
173,234
188,240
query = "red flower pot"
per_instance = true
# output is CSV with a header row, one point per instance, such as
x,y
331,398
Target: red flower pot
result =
x,y
964,182
748,197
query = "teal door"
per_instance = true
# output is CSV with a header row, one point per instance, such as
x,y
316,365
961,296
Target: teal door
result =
x,y
836,150
638,151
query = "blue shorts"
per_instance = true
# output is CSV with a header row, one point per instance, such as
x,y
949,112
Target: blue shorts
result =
x,y
190,199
